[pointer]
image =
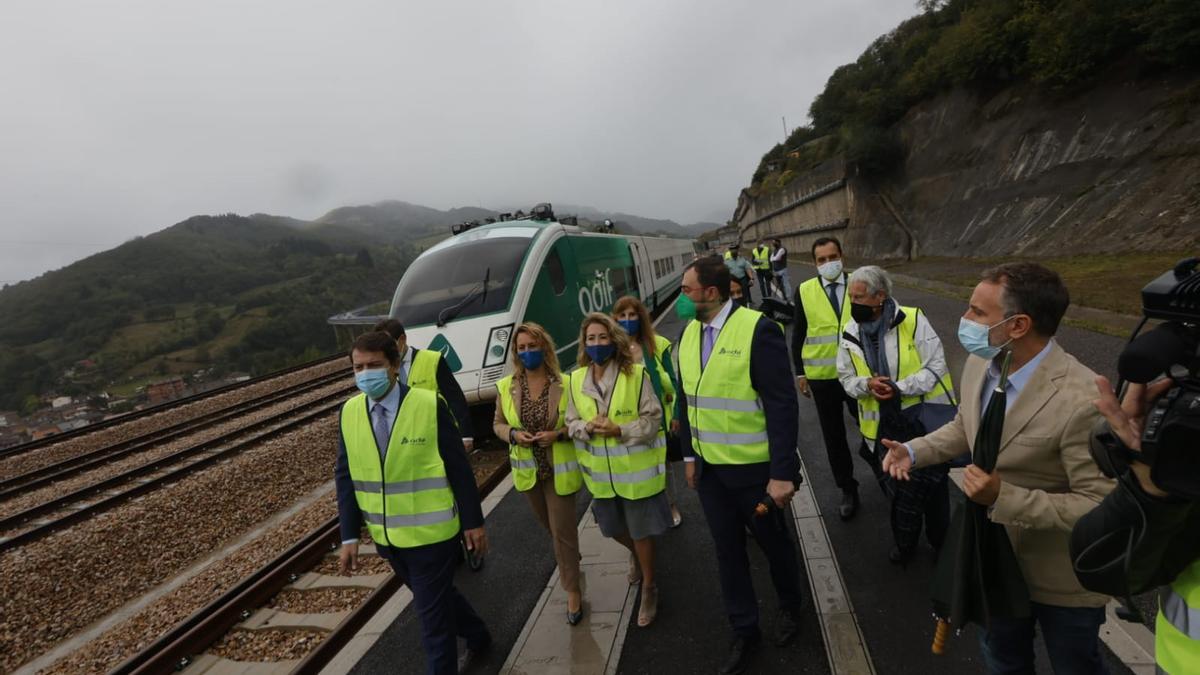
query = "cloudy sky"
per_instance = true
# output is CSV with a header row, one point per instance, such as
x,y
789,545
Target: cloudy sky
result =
x,y
120,118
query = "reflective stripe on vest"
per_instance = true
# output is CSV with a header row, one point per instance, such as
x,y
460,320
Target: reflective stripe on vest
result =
x,y
724,411
567,478
1177,627
762,258
405,497
422,374
819,352
611,468
910,364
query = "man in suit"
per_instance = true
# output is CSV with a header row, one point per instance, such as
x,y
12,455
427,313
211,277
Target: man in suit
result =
x,y
738,432
402,470
414,373
822,312
1044,479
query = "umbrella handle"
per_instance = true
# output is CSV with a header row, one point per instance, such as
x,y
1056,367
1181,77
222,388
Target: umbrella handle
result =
x,y
939,637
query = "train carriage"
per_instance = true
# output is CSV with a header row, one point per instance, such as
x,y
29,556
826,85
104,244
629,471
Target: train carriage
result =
x,y
465,295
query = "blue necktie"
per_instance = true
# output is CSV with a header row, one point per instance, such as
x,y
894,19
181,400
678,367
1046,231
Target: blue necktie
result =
x,y
707,345
380,426
833,298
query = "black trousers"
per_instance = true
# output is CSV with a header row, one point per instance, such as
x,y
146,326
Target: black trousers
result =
x,y
764,283
729,511
445,614
830,397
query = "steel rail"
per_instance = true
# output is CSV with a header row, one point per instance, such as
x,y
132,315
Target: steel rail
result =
x,y
32,480
323,406
21,448
176,648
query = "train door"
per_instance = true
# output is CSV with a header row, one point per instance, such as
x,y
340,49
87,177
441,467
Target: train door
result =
x,y
644,271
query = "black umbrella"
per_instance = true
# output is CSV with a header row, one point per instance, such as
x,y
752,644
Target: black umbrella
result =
x,y
977,577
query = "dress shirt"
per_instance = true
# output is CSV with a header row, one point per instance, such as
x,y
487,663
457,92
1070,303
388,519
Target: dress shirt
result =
x,y
841,288
1016,382
780,254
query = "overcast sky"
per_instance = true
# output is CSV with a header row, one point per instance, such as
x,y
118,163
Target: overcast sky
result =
x,y
120,118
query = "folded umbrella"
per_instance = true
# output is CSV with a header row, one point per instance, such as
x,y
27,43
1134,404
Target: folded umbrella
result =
x,y
977,577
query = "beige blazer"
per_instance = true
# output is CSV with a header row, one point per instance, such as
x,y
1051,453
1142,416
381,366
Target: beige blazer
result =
x,y
500,423
1048,477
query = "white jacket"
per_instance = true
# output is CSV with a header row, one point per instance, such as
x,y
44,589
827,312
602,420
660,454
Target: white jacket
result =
x,y
929,348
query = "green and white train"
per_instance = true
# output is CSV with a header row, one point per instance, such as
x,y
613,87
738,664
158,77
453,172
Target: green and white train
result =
x,y
466,295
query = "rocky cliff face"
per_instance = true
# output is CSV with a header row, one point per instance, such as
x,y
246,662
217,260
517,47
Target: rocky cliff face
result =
x,y
1021,172
1015,172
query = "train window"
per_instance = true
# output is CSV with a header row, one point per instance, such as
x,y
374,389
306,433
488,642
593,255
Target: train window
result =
x,y
451,281
657,268
554,272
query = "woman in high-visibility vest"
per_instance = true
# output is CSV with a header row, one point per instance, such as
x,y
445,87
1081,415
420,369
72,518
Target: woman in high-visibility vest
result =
x,y
616,422
530,415
654,352
890,360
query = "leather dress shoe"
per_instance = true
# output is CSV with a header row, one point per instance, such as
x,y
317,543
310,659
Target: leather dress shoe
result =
x,y
471,656
849,505
740,652
787,627
899,556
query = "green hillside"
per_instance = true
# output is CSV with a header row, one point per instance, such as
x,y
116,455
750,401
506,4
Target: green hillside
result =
x,y
248,294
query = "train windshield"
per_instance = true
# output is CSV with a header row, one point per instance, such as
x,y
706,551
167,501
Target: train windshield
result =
x,y
458,281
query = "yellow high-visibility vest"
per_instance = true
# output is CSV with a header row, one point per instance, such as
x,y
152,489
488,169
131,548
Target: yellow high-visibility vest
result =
x,y
404,497
610,467
762,258
819,352
1177,627
724,411
910,364
662,354
422,374
567,477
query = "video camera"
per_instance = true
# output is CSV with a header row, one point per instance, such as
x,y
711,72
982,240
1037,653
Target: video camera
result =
x,y
1171,433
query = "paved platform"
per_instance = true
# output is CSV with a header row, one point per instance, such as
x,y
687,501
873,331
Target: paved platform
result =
x,y
862,614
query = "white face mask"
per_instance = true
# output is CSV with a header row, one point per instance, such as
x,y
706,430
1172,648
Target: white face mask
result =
x,y
830,270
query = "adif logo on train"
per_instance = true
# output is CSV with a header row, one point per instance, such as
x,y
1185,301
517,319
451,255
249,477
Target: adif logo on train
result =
x,y
598,295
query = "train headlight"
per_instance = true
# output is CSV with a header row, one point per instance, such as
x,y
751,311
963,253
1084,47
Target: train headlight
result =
x,y
497,345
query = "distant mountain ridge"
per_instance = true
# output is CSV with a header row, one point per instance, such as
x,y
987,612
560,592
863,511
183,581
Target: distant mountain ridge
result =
x,y
246,293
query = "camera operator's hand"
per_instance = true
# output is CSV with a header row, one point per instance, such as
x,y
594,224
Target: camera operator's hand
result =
x,y
1127,417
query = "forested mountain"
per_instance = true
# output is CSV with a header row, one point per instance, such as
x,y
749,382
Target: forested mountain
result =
x,y
227,292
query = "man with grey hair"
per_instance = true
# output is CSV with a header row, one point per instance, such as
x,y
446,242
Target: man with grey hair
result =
x,y
890,359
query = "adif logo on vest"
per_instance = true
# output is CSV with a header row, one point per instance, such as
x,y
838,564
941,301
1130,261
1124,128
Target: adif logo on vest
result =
x,y
419,440
735,353
627,413
598,295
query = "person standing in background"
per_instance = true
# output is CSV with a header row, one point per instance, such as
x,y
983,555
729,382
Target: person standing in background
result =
x,y
761,255
742,271
779,270
821,313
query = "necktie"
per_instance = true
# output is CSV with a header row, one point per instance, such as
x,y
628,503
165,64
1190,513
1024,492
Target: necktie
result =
x,y
707,345
380,426
833,298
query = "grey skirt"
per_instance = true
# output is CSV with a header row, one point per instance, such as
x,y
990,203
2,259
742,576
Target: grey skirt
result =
x,y
639,518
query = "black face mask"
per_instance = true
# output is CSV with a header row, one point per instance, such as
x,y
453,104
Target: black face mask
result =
x,y
862,313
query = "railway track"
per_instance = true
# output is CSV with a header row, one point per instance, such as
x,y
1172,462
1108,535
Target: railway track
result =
x,y
303,568
23,448
87,461
66,510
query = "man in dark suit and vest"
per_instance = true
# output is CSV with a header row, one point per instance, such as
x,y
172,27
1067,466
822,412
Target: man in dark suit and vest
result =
x,y
402,470
426,369
822,312
738,432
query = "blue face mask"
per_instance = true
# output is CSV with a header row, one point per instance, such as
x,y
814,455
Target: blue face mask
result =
x,y
631,326
373,382
600,353
532,359
974,338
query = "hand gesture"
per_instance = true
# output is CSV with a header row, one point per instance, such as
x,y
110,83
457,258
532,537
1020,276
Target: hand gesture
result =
x,y
674,426
546,439
781,491
689,472
802,385
606,427
469,444
881,388
348,559
896,462
525,438
477,542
